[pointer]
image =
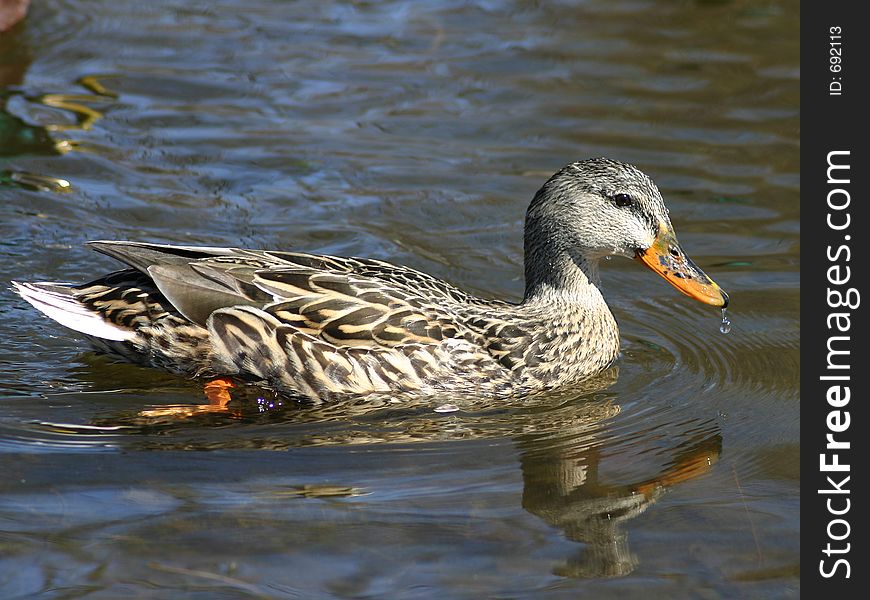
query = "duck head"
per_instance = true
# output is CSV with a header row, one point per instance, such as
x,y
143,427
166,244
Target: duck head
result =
x,y
600,207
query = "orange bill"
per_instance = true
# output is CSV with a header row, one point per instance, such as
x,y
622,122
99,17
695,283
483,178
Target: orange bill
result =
x,y
666,258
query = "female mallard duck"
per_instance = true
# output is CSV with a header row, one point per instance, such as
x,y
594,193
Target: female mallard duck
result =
x,y
324,326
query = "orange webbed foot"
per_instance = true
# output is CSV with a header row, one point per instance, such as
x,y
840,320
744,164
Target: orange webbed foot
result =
x,y
218,391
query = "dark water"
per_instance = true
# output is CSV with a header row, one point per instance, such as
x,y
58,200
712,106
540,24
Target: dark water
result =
x,y
417,133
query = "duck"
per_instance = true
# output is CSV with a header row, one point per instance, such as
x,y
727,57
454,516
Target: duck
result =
x,y
320,327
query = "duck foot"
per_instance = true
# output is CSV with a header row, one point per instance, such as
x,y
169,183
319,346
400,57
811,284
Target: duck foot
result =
x,y
218,391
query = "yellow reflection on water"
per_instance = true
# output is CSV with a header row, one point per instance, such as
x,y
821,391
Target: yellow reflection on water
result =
x,y
21,138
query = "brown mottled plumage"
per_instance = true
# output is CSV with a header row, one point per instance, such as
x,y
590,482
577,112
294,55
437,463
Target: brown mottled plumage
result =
x,y
324,327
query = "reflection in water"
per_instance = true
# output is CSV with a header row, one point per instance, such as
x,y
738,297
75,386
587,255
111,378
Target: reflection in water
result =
x,y
15,58
18,137
562,485
369,419
76,104
564,443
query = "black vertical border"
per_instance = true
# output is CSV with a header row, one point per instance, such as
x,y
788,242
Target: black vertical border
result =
x,y
829,123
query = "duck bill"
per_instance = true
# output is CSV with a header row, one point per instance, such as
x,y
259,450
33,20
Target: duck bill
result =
x,y
666,258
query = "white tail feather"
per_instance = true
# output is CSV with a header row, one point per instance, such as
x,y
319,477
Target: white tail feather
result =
x,y
56,301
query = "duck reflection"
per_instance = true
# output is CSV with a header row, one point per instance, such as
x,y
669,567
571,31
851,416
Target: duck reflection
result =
x,y
567,444
563,486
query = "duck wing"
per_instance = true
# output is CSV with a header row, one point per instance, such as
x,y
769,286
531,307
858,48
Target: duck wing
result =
x,y
183,274
351,302
353,326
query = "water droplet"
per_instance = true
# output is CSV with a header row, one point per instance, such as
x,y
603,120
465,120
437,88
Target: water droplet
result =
x,y
607,257
725,327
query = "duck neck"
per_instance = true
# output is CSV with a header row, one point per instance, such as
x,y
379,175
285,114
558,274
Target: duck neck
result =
x,y
557,270
561,275
571,280
579,332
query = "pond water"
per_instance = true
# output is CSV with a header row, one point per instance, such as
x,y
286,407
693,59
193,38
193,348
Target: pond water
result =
x,y
415,133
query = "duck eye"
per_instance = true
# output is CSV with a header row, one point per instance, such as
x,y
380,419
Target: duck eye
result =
x,y
622,199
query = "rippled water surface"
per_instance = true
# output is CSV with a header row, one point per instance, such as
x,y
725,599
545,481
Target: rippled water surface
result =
x,y
416,133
